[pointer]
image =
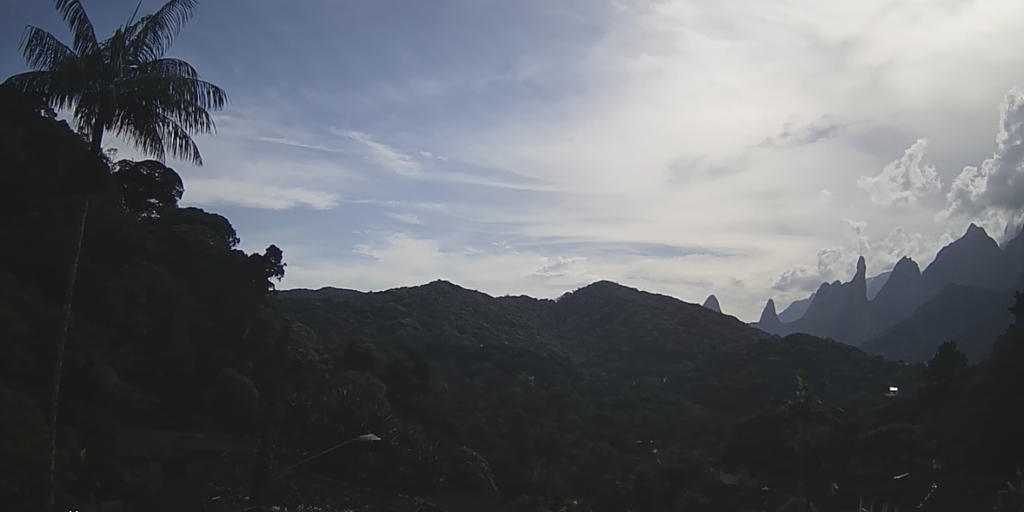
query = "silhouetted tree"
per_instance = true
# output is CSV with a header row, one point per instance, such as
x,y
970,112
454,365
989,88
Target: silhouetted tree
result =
x,y
122,84
942,372
147,188
805,410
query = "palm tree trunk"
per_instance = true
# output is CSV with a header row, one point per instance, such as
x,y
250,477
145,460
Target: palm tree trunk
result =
x,y
803,462
96,144
261,469
58,363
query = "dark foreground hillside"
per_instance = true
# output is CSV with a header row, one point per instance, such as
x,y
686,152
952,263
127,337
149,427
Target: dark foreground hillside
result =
x,y
606,342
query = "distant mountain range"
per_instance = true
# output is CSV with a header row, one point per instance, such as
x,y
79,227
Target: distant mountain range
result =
x,y
901,314
796,310
906,313
327,292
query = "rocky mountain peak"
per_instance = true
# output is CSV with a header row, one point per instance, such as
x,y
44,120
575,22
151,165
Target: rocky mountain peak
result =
x,y
712,303
769,316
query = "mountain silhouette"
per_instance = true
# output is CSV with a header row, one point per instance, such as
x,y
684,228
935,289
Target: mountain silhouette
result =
x,y
712,303
876,283
975,259
971,316
668,357
975,265
796,309
326,292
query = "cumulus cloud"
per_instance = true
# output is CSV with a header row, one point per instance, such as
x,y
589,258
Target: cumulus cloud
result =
x,y
996,187
880,253
800,279
903,180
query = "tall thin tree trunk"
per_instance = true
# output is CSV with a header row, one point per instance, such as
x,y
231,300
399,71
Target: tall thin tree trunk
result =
x,y
801,491
261,470
58,363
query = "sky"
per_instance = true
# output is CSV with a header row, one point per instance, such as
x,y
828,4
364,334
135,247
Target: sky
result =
x,y
744,148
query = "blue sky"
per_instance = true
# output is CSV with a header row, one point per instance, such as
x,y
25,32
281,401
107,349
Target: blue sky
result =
x,y
743,148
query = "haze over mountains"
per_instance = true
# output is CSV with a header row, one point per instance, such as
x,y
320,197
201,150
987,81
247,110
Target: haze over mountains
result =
x,y
906,313
903,313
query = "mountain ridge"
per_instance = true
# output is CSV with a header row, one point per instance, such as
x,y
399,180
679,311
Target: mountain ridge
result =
x,y
844,312
602,336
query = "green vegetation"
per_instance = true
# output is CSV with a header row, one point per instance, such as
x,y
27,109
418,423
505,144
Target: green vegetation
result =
x,y
126,85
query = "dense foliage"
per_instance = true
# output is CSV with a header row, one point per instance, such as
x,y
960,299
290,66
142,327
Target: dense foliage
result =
x,y
168,313
641,381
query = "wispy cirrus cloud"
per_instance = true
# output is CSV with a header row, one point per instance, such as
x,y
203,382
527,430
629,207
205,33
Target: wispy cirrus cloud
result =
x,y
382,154
270,197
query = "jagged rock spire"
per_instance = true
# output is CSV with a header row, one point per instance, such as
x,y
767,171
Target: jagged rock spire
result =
x,y
712,303
769,316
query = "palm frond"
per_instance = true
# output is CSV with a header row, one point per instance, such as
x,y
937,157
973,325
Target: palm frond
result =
x,y
141,130
180,143
157,31
157,134
171,87
193,90
54,87
123,84
169,66
81,27
42,50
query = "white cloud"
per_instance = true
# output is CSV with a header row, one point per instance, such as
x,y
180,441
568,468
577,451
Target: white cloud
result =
x,y
562,267
298,144
880,253
408,218
903,180
382,154
993,192
219,192
393,259
253,162
606,126
677,82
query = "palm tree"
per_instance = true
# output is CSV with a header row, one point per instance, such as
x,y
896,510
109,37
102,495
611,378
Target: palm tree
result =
x,y
124,85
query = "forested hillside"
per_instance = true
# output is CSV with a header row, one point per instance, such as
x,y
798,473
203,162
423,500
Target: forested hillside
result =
x,y
606,342
168,317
